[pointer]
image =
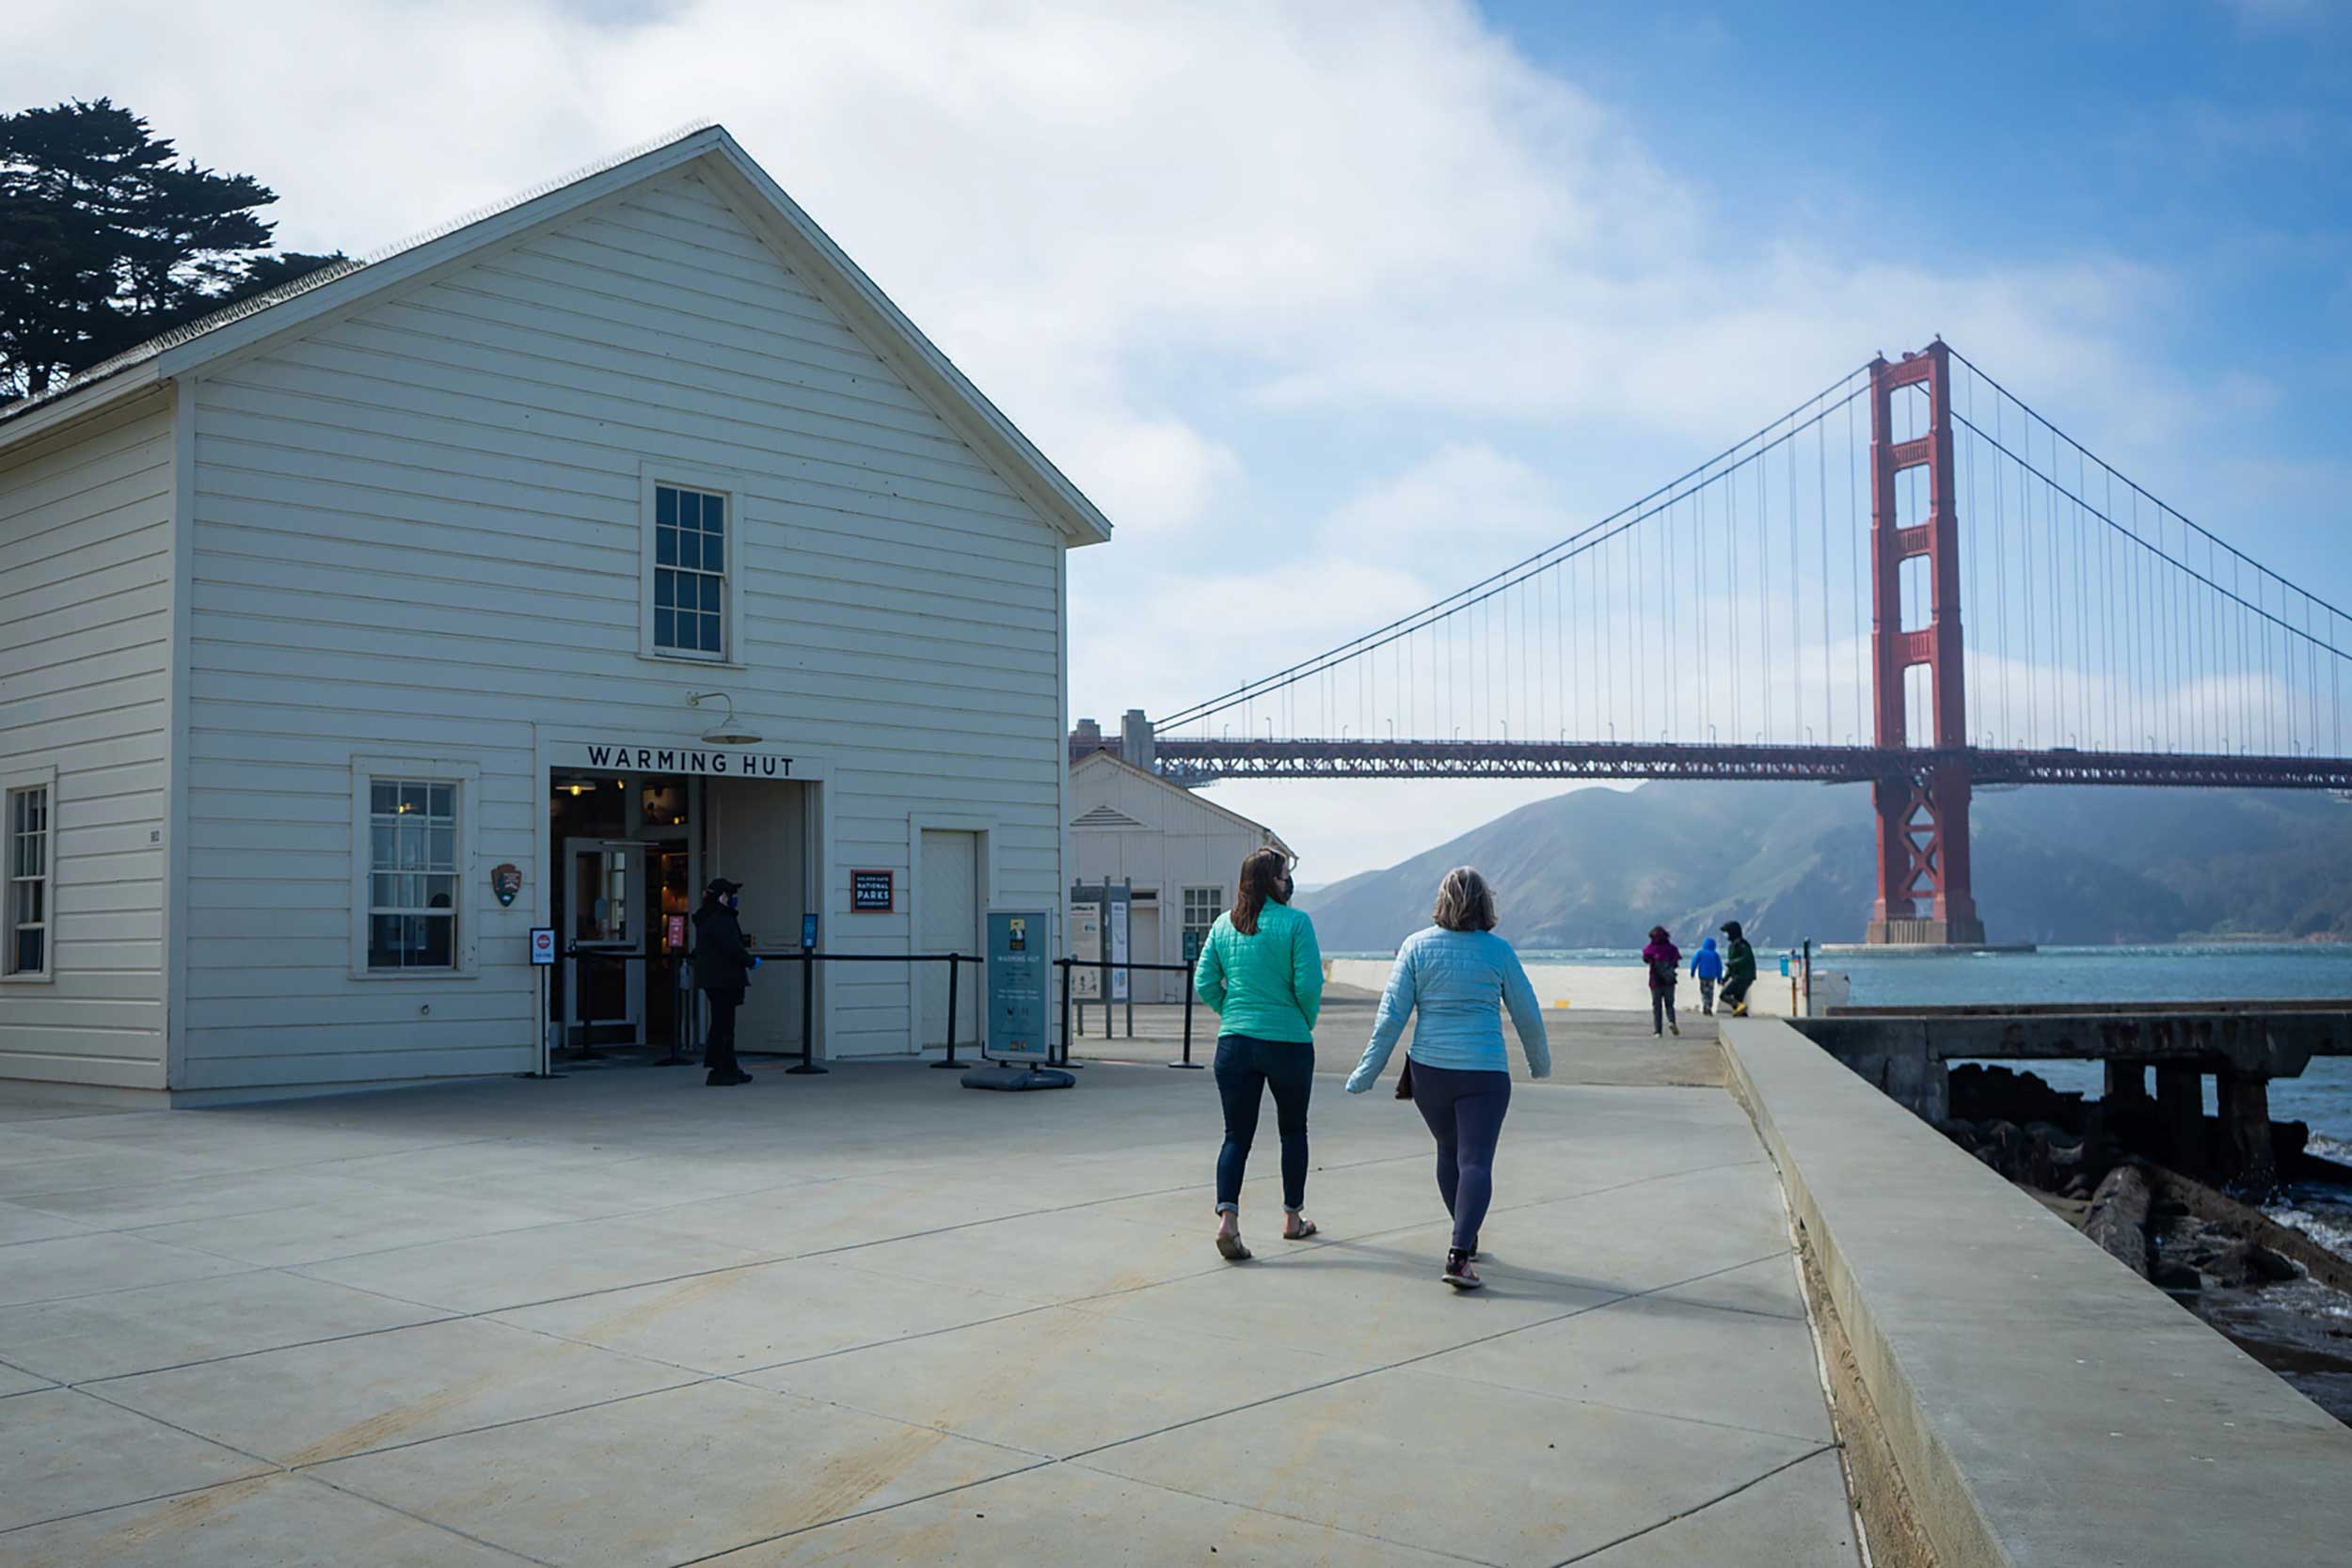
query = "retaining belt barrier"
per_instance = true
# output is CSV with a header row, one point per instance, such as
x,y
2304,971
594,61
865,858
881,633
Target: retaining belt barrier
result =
x,y
2046,1407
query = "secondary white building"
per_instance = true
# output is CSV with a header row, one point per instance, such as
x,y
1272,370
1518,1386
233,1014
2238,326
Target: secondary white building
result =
x,y
1180,850
328,620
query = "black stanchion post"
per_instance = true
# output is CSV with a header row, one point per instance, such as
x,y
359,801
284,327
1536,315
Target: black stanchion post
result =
x,y
1064,964
808,1013
955,963
1187,1062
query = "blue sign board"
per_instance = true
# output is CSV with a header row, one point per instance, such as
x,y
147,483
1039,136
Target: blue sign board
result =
x,y
808,931
1020,995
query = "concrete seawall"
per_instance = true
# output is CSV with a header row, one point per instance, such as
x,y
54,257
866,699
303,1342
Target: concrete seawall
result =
x,y
1599,987
2044,1405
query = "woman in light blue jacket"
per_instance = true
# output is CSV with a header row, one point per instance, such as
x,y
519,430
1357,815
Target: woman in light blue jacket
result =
x,y
1460,974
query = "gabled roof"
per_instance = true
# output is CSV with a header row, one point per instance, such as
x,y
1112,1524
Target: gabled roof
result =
x,y
1105,759
758,200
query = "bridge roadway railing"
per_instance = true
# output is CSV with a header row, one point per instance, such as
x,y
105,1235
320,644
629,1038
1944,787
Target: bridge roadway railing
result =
x,y
1201,761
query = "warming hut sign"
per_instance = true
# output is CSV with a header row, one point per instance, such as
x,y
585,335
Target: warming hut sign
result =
x,y
717,762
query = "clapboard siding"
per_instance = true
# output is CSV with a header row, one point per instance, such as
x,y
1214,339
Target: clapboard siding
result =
x,y
86,566
416,532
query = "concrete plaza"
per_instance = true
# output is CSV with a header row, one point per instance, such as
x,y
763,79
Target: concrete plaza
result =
x,y
874,1318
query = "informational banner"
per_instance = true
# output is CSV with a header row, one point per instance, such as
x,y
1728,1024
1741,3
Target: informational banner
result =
x,y
1098,931
1086,945
1117,908
1020,999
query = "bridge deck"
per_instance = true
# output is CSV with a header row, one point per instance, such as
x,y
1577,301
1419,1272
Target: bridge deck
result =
x,y
1201,761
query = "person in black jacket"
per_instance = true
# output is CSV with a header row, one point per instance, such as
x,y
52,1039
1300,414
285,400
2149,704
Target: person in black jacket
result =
x,y
723,966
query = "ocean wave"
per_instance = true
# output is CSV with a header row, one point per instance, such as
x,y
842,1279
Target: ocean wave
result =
x,y
2329,1149
2332,1231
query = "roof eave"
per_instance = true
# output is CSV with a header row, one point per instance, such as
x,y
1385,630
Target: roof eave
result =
x,y
1009,452
74,406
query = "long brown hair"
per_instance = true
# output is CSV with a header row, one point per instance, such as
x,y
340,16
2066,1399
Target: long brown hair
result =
x,y
1265,874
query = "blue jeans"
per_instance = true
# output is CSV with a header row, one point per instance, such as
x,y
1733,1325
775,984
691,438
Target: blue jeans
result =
x,y
1246,1067
1464,1111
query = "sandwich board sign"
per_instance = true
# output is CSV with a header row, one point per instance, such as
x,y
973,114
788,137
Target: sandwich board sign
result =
x,y
1020,990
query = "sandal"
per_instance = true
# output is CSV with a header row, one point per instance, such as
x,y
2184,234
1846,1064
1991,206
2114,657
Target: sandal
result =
x,y
1459,1272
1305,1228
1231,1248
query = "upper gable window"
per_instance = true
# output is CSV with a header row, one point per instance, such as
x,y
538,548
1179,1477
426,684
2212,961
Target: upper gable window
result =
x,y
690,571
693,559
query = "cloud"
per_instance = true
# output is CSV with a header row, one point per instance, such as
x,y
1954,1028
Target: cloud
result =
x,y
1209,256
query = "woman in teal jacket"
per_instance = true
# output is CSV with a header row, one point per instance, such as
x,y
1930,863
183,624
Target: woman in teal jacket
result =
x,y
1262,972
1460,976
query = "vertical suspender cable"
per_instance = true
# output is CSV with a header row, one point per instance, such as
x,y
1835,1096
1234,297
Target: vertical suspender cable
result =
x,y
1731,576
1699,563
1821,515
2107,620
1795,600
1854,567
1763,580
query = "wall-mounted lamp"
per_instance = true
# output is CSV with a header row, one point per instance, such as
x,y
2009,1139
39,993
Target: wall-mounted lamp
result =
x,y
727,733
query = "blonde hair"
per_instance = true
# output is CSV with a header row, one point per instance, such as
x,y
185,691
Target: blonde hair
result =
x,y
1465,902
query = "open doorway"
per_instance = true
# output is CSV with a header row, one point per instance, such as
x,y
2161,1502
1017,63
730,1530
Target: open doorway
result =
x,y
621,893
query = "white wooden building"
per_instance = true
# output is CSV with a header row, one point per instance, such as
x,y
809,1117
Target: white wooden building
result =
x,y
319,614
1180,850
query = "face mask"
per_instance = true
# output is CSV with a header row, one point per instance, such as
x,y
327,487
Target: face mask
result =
x,y
732,902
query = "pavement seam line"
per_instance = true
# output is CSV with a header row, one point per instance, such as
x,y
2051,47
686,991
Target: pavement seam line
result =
x,y
1412,1360
864,1513
243,1354
515,1553
1688,1513
138,1502
1277,1513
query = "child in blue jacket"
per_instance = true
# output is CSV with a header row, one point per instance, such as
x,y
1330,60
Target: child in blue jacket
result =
x,y
1707,965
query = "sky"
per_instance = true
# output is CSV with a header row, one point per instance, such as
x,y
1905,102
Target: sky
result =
x,y
1333,307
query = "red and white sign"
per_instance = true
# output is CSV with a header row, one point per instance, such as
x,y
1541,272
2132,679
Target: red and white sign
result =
x,y
543,944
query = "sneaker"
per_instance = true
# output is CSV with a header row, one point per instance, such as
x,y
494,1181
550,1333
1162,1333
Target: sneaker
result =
x,y
1677,1028
719,1081
1459,1272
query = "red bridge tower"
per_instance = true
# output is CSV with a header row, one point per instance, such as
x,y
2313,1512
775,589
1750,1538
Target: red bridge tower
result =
x,y
1923,893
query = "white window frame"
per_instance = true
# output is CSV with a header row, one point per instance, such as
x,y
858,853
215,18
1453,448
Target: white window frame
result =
x,y
11,785
466,948
652,476
1184,906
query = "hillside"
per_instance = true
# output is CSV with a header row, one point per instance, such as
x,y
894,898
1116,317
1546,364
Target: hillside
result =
x,y
1596,867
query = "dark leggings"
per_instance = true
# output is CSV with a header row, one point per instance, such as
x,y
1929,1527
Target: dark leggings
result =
x,y
1246,1067
1464,1111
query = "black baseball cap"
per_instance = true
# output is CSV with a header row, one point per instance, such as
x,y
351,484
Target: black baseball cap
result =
x,y
719,887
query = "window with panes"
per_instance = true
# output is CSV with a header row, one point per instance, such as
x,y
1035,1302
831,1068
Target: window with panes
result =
x,y
689,572
1203,904
412,874
28,901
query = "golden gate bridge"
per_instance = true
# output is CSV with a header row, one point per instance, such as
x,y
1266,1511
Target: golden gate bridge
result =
x,y
1791,609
